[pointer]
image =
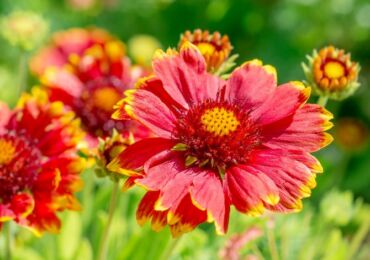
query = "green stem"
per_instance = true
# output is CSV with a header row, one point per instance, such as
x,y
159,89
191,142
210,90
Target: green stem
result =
x,y
322,100
167,254
358,239
22,72
105,237
272,243
8,241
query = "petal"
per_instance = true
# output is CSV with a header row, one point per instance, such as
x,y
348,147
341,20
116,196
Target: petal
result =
x,y
146,212
176,189
5,113
292,172
251,84
302,131
160,170
149,110
48,180
184,75
284,102
22,205
207,194
6,213
187,217
134,157
250,190
63,85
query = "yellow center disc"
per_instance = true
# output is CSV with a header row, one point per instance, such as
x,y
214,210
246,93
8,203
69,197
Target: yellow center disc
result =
x,y
334,70
105,98
206,48
219,121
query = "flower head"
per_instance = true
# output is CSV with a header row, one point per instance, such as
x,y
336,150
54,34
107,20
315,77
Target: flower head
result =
x,y
242,142
352,134
65,43
214,47
24,29
39,171
91,84
332,73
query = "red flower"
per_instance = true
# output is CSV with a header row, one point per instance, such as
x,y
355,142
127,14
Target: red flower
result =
x,y
39,171
65,43
91,84
242,142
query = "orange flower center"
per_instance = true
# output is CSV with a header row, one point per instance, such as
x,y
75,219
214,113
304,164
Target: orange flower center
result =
x,y
219,121
7,151
105,98
334,70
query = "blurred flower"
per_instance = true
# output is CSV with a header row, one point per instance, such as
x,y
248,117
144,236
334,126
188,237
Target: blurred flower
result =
x,y
24,29
338,207
91,84
236,242
241,142
142,48
351,134
39,169
332,73
63,44
214,47
108,149
81,5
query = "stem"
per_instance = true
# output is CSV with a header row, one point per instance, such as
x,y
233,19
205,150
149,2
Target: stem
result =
x,y
272,244
322,100
8,241
104,239
22,72
358,239
171,248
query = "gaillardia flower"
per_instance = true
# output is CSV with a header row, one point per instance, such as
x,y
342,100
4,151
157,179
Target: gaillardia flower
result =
x,y
39,169
24,29
65,43
242,142
215,48
91,84
332,73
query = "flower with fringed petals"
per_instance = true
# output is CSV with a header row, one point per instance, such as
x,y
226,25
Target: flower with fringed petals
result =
x,y
65,43
39,169
332,73
90,84
244,142
214,47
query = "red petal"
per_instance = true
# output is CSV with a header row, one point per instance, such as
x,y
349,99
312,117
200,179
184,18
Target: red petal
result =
x,y
283,103
250,85
135,156
149,110
208,194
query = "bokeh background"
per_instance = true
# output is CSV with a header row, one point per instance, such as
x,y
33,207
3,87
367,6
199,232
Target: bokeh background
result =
x,y
281,33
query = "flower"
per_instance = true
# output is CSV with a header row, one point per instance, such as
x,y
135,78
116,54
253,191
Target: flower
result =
x,y
237,242
332,73
242,142
214,47
65,43
351,134
90,84
39,169
24,29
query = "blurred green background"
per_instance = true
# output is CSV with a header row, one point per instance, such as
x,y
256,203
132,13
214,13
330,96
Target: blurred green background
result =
x,y
279,32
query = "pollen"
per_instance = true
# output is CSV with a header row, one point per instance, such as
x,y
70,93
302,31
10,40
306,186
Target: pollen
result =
x,y
219,121
7,151
334,70
105,98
